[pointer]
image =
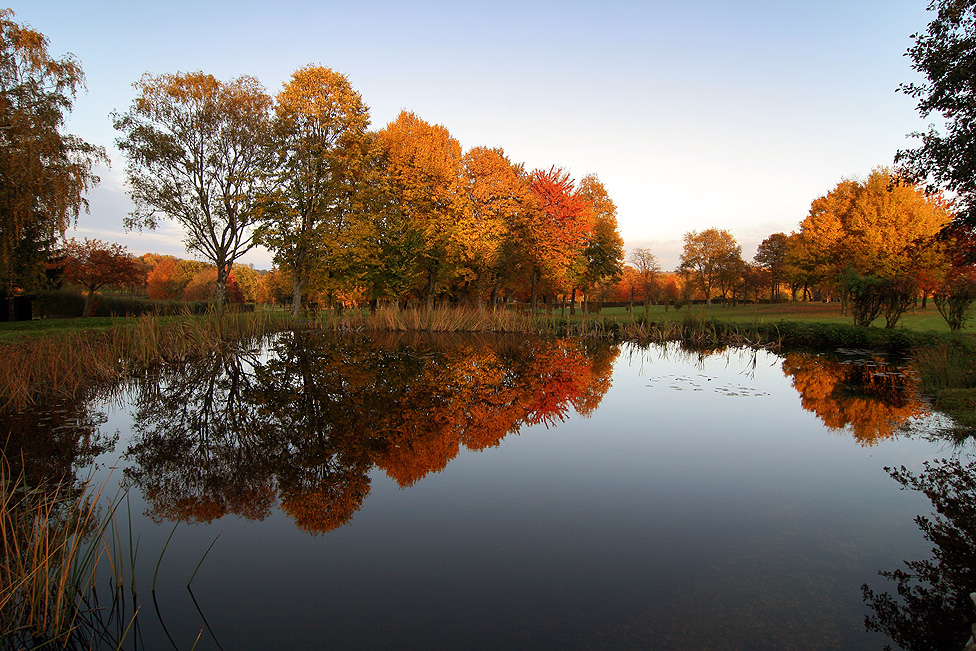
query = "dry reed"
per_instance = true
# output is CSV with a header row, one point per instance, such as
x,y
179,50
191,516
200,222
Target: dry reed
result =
x,y
54,541
72,364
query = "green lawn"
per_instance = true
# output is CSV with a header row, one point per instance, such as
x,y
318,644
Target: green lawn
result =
x,y
924,320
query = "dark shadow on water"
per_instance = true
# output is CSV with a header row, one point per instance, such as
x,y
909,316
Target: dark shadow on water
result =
x,y
930,609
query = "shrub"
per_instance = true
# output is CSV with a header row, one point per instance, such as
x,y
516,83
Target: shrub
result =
x,y
60,304
955,297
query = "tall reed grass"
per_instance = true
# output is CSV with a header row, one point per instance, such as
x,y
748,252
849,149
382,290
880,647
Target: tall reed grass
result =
x,y
55,543
70,364
436,320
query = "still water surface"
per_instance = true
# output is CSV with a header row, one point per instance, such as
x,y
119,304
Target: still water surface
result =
x,y
419,493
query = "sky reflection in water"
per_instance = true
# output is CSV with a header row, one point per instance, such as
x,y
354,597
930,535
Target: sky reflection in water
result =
x,y
699,501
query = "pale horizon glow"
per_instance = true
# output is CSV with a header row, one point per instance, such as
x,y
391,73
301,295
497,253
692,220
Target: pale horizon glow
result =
x,y
708,114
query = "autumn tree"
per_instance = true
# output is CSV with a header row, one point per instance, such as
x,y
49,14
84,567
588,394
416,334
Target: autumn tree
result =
x,y
94,264
247,280
160,283
196,150
553,233
883,226
943,54
44,173
385,247
497,199
711,257
602,251
423,169
771,255
320,132
647,267
273,287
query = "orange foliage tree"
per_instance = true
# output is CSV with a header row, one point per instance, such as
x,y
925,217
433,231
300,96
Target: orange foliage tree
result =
x,y
160,282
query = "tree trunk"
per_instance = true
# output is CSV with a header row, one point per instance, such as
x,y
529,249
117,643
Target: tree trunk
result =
x,y
220,289
297,286
572,302
431,286
535,280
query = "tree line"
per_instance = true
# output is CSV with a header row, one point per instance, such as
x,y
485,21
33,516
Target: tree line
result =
x,y
877,245
349,213
354,215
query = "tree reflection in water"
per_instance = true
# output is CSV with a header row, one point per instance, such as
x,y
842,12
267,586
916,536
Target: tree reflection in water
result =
x,y
932,610
48,442
304,424
872,398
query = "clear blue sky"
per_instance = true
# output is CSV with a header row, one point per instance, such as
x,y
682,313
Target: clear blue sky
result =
x,y
696,114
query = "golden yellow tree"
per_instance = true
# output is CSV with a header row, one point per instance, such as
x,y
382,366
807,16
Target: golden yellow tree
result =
x,y
497,197
883,226
424,172
321,139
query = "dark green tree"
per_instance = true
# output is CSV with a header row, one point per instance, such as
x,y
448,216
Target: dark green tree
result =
x,y
945,53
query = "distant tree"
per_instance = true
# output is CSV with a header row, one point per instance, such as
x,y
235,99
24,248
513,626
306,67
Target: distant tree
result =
x,y
203,285
711,257
955,297
160,283
771,256
94,264
756,279
44,174
647,267
274,287
673,291
944,54
247,280
197,149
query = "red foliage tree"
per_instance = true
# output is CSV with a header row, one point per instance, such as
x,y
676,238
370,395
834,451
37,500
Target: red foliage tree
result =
x,y
557,229
94,264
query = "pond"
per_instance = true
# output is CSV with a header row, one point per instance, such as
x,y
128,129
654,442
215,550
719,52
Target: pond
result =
x,y
420,492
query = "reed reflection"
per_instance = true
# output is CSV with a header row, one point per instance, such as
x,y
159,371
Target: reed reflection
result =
x,y
868,396
304,424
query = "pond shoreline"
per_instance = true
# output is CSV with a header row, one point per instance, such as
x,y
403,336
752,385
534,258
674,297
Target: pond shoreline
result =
x,y
65,363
